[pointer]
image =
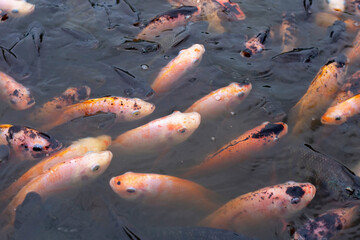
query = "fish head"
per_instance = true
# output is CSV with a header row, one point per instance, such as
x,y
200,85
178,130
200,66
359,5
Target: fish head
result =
x,y
93,164
21,99
194,53
21,8
336,5
232,10
338,66
129,186
183,125
333,116
242,90
30,143
140,109
297,195
82,93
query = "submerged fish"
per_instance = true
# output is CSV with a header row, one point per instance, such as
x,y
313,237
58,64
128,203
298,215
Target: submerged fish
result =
x,y
17,96
255,44
340,113
27,143
239,149
168,21
336,30
76,149
49,110
62,177
125,109
303,55
16,8
319,95
176,68
288,32
222,100
159,134
327,225
156,189
336,5
259,207
349,89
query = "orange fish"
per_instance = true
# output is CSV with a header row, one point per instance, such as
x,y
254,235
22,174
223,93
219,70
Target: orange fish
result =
x,y
156,189
27,143
16,8
125,109
61,177
349,89
76,149
239,149
260,207
353,52
221,101
288,32
168,21
255,45
340,113
176,68
159,134
49,110
17,96
327,225
319,95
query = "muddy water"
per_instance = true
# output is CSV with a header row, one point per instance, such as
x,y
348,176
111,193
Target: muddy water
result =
x,y
70,43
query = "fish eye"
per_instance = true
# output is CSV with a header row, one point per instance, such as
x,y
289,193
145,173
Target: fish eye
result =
x,y
95,167
182,130
118,182
338,118
37,148
349,190
15,11
240,95
295,200
136,112
131,190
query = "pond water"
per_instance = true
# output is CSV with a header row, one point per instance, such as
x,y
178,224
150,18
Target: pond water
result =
x,y
68,43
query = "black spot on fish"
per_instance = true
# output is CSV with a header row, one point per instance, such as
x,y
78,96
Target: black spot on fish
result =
x,y
295,192
15,93
82,93
268,130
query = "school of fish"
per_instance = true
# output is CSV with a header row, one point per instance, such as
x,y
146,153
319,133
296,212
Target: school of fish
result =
x,y
52,167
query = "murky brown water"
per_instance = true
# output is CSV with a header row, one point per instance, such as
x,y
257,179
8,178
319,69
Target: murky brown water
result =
x,y
83,41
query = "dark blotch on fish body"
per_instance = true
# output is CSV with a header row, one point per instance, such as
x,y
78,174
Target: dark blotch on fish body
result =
x,y
296,191
268,130
174,14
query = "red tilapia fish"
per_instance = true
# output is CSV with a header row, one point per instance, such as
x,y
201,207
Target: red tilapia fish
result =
x,y
159,134
260,207
159,190
62,177
349,89
213,11
221,101
49,110
125,109
17,96
27,143
16,8
319,95
255,45
340,113
176,68
168,21
239,149
75,150
328,224
288,32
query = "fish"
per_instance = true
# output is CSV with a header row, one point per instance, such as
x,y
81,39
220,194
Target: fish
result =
x,y
255,44
239,149
352,53
336,30
15,94
160,190
258,207
303,55
61,177
327,225
176,68
221,100
16,8
27,143
350,88
288,32
50,109
335,5
125,109
76,149
340,113
159,134
168,21
326,84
